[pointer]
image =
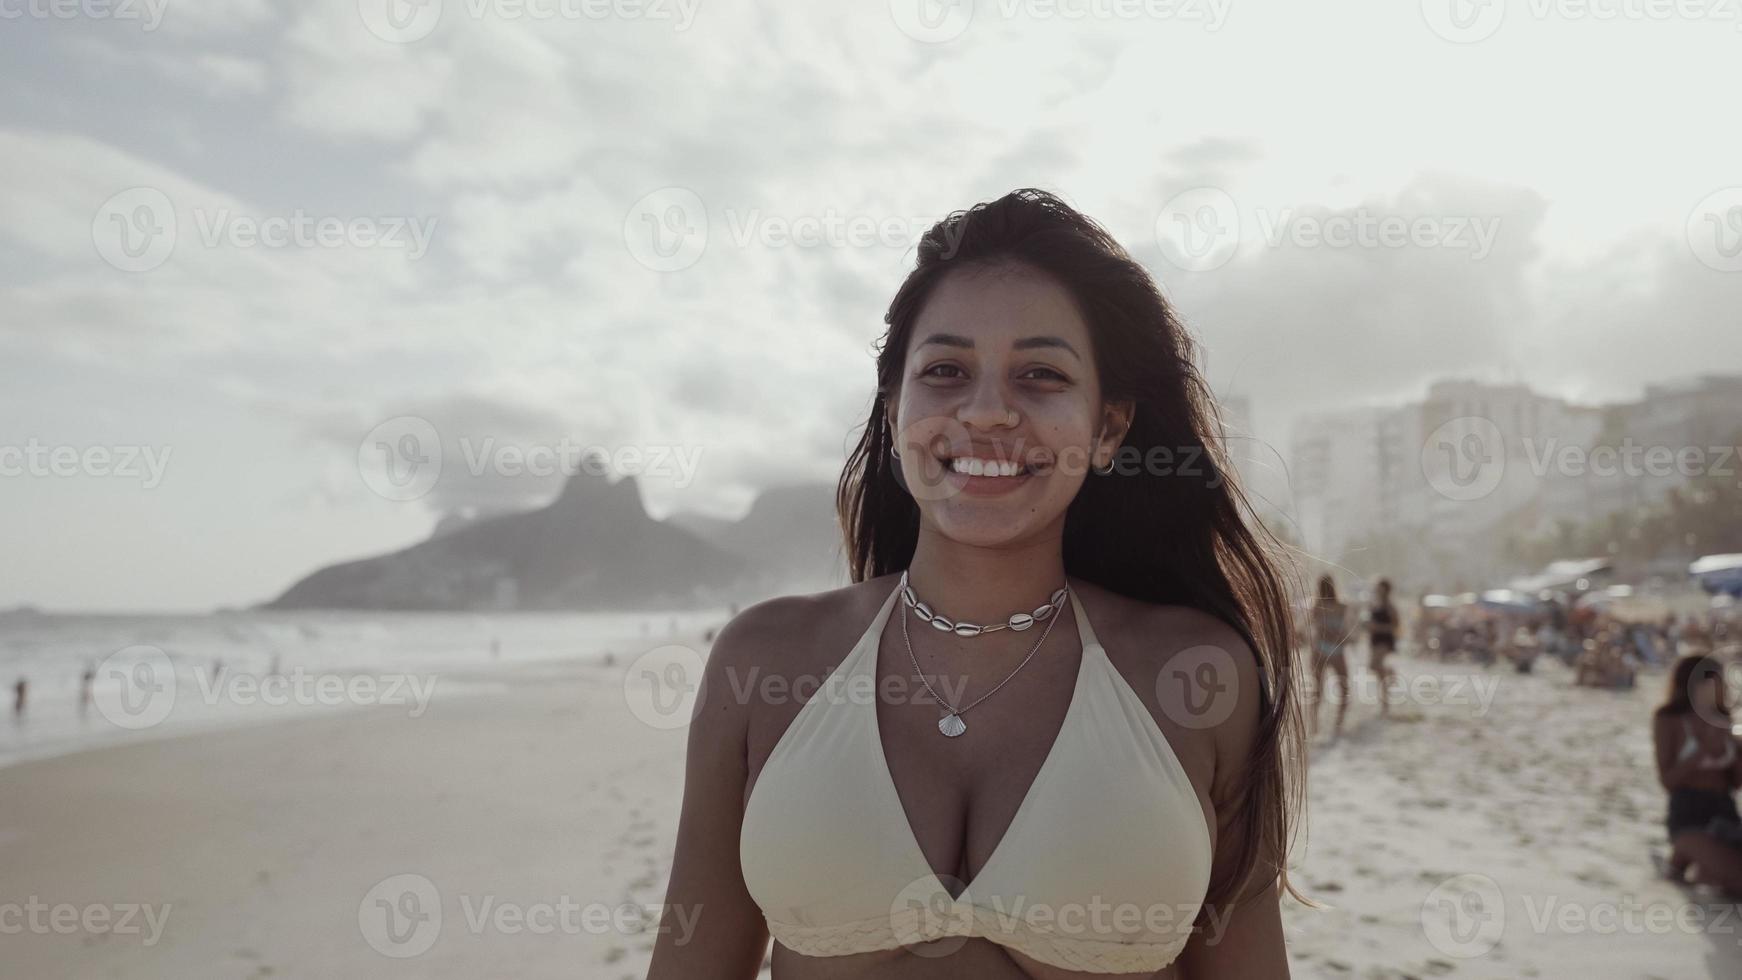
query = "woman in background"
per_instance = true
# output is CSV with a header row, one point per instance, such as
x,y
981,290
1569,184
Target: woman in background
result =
x,y
1699,764
1382,641
1330,626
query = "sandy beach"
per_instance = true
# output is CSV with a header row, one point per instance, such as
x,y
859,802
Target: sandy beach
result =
x,y
1498,825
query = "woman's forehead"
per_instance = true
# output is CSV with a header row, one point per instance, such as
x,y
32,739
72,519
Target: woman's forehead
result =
x,y
992,310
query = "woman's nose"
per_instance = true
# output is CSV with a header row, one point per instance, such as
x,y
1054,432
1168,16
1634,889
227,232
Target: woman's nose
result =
x,y
986,407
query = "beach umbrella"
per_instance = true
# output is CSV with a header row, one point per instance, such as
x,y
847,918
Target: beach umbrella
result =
x,y
1507,600
1719,573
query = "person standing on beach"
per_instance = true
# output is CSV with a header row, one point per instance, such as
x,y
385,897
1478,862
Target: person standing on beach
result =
x,y
86,680
18,691
1382,640
1330,628
1700,763
1124,724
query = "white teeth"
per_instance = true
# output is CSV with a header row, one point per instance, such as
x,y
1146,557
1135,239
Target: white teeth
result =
x,y
984,467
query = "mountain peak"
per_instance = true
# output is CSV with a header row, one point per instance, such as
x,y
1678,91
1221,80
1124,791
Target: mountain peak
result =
x,y
589,487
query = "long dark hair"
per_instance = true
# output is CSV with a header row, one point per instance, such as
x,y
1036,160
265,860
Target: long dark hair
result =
x,y
1695,668
1188,539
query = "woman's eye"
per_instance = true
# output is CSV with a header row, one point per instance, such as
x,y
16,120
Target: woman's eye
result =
x,y
1044,373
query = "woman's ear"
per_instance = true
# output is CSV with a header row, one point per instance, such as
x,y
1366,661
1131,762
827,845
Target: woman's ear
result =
x,y
1116,419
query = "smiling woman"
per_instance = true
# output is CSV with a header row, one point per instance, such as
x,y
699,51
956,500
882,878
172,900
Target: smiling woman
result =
x,y
1121,800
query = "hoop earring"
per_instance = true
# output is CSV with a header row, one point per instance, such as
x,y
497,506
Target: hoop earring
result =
x,y
891,429
1096,469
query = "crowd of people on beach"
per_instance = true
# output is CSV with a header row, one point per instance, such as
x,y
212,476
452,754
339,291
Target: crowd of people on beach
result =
x,y
1698,753
1603,648
1601,645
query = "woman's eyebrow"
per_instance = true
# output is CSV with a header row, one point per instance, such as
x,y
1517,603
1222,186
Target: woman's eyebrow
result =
x,y
1026,343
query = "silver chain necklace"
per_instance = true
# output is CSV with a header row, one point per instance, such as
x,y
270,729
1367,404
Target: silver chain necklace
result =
x,y
952,724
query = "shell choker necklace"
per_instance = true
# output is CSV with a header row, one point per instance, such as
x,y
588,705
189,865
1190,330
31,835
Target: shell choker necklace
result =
x,y
951,724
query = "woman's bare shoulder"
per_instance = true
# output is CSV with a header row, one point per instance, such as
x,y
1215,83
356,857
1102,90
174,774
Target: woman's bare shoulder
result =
x,y
1196,673
1152,633
785,634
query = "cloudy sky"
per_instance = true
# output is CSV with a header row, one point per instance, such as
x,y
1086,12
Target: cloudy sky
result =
x,y
250,249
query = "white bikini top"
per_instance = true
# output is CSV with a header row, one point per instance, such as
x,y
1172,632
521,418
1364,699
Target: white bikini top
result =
x,y
1103,868
1691,745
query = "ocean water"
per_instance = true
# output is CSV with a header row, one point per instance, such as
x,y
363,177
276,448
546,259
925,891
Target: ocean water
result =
x,y
157,675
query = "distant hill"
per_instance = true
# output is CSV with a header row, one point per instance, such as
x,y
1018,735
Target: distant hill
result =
x,y
595,547
790,536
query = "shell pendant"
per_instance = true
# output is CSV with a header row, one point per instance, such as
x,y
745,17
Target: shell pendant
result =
x,y
952,725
